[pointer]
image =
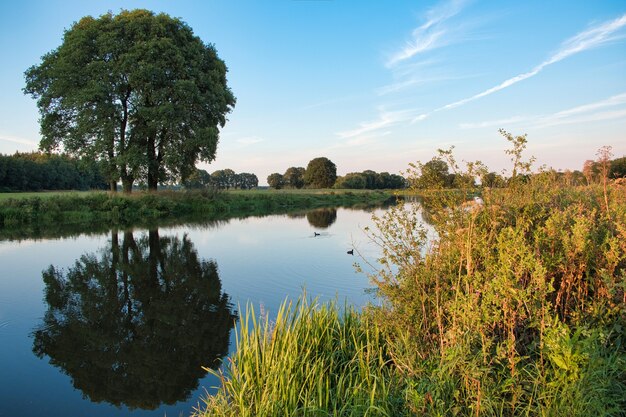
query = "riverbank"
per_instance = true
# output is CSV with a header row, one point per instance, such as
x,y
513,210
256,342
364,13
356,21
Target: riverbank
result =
x,y
38,214
516,308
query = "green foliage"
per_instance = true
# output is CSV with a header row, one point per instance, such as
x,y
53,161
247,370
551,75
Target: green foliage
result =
x,y
320,173
246,181
312,360
52,214
371,180
223,178
39,171
514,305
276,181
137,91
492,180
434,174
618,168
352,180
294,177
198,179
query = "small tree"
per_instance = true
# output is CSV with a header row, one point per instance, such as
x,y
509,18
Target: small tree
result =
x,y
352,180
276,180
519,144
247,181
320,173
294,177
198,179
492,180
433,174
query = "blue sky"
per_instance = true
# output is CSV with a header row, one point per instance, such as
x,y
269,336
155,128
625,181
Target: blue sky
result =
x,y
376,84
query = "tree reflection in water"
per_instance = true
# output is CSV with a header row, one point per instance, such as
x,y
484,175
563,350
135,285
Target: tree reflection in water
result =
x,y
322,218
134,325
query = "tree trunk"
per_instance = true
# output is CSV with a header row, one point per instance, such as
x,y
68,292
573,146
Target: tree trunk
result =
x,y
113,186
127,184
153,169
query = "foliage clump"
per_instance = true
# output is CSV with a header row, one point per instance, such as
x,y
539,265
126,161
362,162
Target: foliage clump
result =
x,y
510,304
313,360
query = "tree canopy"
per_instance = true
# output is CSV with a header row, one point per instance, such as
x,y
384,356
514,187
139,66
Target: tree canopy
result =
x,y
276,180
320,173
294,177
222,179
370,180
137,90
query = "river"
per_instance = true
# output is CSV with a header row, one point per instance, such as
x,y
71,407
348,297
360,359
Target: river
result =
x,y
120,324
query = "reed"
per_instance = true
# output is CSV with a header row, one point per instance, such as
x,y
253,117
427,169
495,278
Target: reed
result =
x,y
312,360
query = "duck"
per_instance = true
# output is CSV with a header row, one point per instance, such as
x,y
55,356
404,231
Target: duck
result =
x,y
315,234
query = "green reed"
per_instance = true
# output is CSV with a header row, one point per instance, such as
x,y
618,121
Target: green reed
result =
x,y
312,360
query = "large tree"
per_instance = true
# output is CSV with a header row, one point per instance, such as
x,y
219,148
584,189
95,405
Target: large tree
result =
x,y
320,173
137,90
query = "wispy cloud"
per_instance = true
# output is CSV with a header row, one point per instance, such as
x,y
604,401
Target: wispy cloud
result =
x,y
588,39
250,140
385,119
415,81
494,123
609,102
359,141
587,113
18,140
429,35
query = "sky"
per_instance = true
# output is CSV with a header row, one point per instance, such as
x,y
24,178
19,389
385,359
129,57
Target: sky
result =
x,y
375,84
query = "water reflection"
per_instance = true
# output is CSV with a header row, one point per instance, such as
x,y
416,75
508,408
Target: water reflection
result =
x,y
322,218
134,323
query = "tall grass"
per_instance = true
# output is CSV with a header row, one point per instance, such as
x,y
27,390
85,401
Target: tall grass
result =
x,y
313,360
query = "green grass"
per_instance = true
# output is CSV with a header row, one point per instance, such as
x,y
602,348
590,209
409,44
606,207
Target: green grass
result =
x,y
47,194
34,214
313,360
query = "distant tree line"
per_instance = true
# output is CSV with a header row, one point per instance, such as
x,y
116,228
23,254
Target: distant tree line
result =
x,y
435,174
224,179
37,171
371,180
322,173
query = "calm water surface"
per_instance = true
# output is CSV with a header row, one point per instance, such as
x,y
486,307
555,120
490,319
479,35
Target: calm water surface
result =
x,y
120,324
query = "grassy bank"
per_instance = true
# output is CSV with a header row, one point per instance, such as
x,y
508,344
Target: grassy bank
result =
x,y
517,308
30,213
